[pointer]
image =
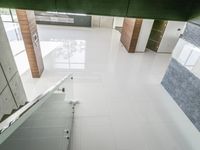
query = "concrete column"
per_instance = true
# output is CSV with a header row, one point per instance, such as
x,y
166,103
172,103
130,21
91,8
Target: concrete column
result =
x,y
28,27
12,94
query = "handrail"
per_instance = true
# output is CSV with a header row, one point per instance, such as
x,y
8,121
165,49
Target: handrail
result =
x,y
4,125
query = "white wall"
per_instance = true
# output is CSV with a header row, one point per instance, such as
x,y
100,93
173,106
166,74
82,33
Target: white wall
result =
x,y
118,22
102,21
171,36
96,21
106,22
22,63
188,55
144,35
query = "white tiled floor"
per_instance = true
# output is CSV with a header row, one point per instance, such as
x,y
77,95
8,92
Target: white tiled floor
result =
x,y
122,104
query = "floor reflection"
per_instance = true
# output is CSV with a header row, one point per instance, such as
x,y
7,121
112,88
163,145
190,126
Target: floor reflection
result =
x,y
65,54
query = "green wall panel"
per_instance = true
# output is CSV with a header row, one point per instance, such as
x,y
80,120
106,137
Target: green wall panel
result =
x,y
159,9
152,9
29,4
99,7
195,15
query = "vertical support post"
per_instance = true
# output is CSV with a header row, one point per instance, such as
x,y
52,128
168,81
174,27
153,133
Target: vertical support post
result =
x,y
28,27
130,33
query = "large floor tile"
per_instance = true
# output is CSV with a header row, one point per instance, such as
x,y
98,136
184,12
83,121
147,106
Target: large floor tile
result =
x,y
122,103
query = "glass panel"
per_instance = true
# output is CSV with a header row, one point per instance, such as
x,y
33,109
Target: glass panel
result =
x,y
49,127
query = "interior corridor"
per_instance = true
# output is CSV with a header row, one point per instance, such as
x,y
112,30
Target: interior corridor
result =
x,y
122,106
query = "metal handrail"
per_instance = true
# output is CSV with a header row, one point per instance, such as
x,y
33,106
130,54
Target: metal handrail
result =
x,y
4,125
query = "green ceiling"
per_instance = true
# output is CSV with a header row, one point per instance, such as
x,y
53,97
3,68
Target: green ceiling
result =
x,y
154,9
195,9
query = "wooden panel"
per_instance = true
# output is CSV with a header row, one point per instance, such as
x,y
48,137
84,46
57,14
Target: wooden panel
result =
x,y
135,36
130,33
127,31
31,40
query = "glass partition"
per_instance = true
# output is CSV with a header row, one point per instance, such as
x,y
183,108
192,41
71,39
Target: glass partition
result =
x,y
46,124
11,25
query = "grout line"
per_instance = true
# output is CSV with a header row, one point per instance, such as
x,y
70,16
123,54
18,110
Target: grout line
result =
x,y
4,89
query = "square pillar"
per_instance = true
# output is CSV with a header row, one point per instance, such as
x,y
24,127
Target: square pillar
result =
x,y
29,32
130,33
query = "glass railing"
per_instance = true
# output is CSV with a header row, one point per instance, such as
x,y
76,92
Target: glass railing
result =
x,y
42,124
